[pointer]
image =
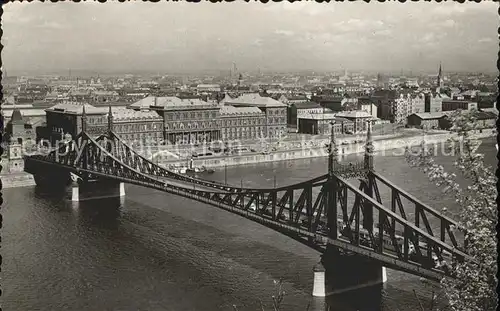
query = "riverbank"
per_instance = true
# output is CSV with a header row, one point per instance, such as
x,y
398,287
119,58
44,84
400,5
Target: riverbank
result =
x,y
16,180
390,143
381,144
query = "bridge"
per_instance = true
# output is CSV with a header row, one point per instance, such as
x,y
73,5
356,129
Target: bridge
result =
x,y
341,213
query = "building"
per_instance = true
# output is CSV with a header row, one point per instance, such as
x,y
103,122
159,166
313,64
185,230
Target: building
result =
x,y
384,100
186,121
402,108
80,95
19,130
242,123
334,103
358,117
349,103
19,136
368,107
275,111
320,124
66,118
484,119
303,108
433,102
405,105
145,127
208,88
292,99
425,120
450,105
138,126
104,96
486,100
417,102
27,112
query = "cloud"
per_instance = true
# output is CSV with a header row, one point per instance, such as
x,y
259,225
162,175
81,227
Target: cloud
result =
x,y
448,23
428,37
446,9
485,40
52,25
384,32
287,33
275,35
309,8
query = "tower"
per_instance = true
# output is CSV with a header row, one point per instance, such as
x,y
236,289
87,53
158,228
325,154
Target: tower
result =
x,y
240,77
369,148
110,120
84,119
333,151
439,83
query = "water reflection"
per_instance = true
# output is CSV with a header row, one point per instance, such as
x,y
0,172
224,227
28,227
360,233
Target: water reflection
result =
x,y
102,212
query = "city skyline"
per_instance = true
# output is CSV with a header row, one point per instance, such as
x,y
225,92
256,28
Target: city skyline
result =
x,y
182,37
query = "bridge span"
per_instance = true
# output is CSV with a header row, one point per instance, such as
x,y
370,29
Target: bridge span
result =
x,y
357,234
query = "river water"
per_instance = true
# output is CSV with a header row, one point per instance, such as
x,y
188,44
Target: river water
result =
x,y
154,251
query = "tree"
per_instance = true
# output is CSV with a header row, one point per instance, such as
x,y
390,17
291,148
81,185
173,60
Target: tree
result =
x,y
473,289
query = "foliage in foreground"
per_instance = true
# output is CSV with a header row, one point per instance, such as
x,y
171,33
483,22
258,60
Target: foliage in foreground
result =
x,y
474,288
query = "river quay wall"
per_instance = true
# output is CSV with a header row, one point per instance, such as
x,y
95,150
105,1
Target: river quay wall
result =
x,y
22,179
395,145
15,180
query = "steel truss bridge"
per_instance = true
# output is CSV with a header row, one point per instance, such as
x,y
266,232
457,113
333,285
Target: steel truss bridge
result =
x,y
325,210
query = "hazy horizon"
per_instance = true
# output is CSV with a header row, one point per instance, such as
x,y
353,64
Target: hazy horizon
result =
x,y
181,37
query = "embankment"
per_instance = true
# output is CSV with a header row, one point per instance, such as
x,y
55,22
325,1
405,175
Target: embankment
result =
x,y
380,145
17,180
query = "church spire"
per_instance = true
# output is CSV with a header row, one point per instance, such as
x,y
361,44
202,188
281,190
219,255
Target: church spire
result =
x,y
440,77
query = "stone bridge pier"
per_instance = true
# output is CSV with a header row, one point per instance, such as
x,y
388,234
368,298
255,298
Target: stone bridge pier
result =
x,y
53,179
83,190
338,272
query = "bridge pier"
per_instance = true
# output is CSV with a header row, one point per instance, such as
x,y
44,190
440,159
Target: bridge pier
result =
x,y
96,189
338,273
52,181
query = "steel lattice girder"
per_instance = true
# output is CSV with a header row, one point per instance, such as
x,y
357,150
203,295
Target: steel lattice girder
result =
x,y
91,154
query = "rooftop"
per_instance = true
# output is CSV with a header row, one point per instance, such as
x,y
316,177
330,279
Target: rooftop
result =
x,y
77,108
354,114
25,112
172,102
307,105
124,114
231,110
16,117
325,116
256,100
430,115
295,97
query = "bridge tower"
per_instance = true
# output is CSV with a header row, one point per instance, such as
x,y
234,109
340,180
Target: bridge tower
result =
x,y
341,271
331,212
88,188
368,165
84,119
110,120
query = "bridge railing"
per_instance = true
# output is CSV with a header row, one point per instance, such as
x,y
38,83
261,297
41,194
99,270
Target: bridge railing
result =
x,y
278,205
423,214
149,167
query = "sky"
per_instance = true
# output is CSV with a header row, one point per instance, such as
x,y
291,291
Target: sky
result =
x,y
188,37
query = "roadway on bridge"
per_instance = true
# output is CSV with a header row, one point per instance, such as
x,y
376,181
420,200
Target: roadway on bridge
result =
x,y
186,184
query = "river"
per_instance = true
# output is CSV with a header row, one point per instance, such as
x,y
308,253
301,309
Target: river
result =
x,y
154,251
